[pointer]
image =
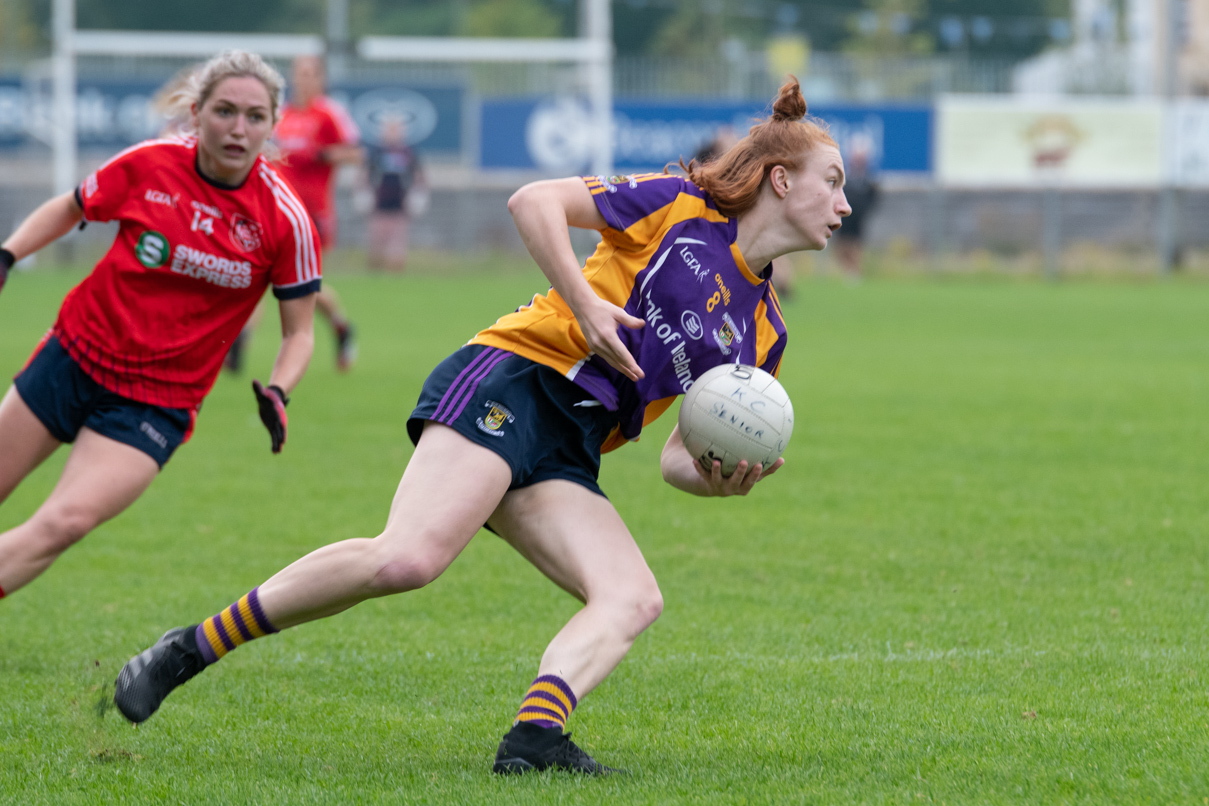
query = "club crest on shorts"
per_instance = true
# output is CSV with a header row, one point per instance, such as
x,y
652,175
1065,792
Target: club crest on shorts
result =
x,y
245,233
495,418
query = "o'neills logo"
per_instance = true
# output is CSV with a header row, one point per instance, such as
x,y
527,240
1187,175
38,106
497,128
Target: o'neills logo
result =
x,y
213,269
245,233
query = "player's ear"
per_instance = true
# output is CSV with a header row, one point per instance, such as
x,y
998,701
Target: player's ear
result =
x,y
778,177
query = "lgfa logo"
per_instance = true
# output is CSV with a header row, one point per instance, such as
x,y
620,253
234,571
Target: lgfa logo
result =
x,y
152,249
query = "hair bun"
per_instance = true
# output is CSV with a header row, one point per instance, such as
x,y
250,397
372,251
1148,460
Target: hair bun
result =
x,y
790,105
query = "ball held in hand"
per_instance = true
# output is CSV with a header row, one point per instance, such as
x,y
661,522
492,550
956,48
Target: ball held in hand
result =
x,y
735,412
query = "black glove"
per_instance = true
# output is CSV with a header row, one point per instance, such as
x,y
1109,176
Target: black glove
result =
x,y
7,259
272,403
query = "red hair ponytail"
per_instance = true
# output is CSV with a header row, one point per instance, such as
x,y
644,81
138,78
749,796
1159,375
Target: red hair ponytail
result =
x,y
733,179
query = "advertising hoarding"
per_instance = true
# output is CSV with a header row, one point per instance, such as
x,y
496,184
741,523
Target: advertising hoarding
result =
x,y
1015,141
114,114
555,134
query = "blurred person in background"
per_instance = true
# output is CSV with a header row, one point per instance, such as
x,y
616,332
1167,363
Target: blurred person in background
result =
x,y
723,138
314,136
399,190
510,428
206,226
862,191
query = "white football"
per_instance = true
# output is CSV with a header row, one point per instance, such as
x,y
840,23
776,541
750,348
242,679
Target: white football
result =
x,y
735,412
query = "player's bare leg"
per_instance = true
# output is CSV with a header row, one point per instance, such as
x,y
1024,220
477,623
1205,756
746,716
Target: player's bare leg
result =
x,y
850,257
577,539
24,442
328,303
101,478
431,520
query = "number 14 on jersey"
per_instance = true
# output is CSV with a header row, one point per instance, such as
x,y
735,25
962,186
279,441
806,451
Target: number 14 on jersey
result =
x,y
202,222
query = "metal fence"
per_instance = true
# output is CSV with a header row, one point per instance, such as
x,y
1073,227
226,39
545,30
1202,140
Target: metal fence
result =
x,y
748,74
825,77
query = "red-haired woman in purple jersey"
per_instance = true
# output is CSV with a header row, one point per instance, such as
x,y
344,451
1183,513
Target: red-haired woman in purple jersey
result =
x,y
510,428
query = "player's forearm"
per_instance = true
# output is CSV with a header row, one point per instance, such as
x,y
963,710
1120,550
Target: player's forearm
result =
x,y
678,469
292,360
542,223
52,220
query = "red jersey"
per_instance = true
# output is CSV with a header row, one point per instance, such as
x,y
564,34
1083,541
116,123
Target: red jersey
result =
x,y
154,319
302,134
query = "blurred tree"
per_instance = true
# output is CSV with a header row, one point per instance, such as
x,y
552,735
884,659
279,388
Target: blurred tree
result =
x,y
700,27
890,28
285,16
636,24
405,17
21,24
511,18
989,28
1008,28
538,18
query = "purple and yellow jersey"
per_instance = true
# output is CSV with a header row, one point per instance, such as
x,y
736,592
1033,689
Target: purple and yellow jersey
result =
x,y
669,257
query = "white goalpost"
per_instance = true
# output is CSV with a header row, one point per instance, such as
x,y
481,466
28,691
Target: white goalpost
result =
x,y
592,51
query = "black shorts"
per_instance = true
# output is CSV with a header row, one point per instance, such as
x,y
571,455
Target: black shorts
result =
x,y
543,425
66,399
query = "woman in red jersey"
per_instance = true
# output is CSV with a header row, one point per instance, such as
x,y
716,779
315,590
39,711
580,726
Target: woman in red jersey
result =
x,y
206,225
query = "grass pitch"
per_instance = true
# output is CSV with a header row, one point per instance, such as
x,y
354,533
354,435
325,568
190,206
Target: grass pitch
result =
x,y
981,576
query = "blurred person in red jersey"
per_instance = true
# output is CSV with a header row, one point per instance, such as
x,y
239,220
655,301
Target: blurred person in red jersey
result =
x,y
206,226
314,136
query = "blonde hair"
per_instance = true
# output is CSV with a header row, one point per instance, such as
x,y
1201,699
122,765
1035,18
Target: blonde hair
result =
x,y
195,86
733,180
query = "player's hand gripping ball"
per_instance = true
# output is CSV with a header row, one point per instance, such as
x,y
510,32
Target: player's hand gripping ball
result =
x,y
735,412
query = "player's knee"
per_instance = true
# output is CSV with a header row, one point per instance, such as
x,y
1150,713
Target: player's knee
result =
x,y
62,526
639,609
407,573
649,607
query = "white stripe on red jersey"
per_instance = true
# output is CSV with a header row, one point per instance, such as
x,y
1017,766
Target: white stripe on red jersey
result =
x,y
293,209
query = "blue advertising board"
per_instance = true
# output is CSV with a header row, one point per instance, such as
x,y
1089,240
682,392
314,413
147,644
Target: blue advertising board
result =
x,y
555,134
115,114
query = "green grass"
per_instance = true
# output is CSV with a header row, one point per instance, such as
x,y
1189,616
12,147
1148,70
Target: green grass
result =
x,y
981,576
